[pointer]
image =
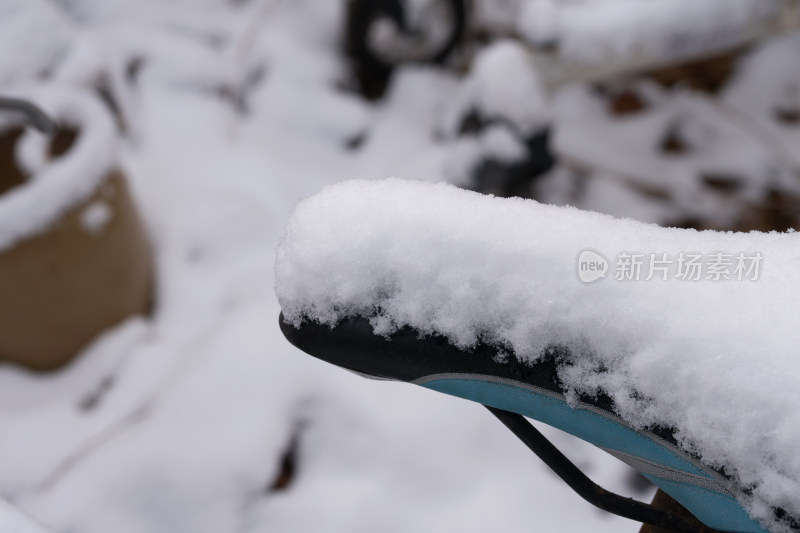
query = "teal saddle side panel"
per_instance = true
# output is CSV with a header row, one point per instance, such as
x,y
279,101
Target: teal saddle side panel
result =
x,y
714,508
723,511
587,425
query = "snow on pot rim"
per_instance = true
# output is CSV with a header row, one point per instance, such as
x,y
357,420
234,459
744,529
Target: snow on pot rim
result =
x,y
55,185
715,360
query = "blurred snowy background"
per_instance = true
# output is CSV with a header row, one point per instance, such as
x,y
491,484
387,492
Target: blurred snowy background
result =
x,y
201,417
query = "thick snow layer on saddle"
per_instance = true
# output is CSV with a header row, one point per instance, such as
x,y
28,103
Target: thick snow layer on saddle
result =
x,y
713,357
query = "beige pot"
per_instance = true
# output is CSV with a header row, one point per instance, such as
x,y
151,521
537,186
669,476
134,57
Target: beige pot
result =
x,y
74,259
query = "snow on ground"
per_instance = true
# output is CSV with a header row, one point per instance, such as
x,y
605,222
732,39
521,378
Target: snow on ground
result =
x,y
716,144
607,31
592,38
181,422
36,28
13,521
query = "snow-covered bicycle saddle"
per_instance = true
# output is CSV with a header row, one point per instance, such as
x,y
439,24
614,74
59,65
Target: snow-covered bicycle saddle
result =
x,y
673,350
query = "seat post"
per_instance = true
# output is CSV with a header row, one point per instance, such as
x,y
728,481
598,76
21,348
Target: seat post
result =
x,y
663,501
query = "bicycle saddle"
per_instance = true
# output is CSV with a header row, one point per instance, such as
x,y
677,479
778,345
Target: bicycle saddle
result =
x,y
540,311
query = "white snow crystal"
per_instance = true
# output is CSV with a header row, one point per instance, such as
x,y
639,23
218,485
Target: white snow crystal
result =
x,y
716,360
538,21
503,84
499,143
95,217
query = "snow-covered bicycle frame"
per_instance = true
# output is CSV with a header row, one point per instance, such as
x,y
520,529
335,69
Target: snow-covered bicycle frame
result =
x,y
572,40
